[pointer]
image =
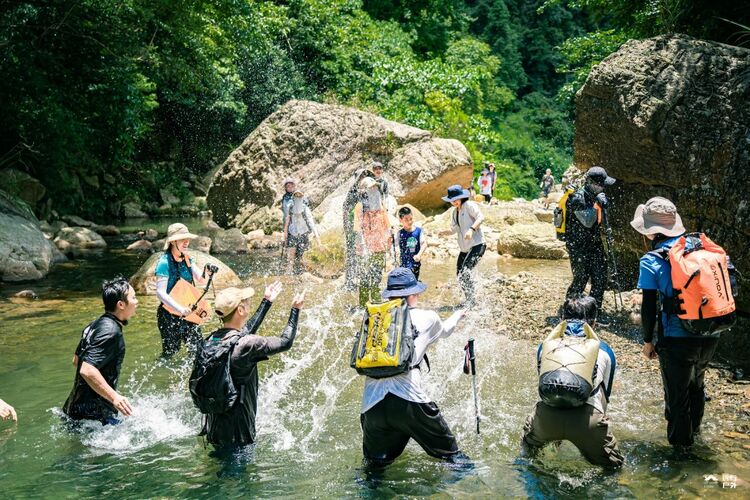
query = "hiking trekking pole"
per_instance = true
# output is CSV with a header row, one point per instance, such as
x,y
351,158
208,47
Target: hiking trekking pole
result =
x,y
617,291
470,367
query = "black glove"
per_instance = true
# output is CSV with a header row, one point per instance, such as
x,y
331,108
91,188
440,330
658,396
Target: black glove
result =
x,y
601,199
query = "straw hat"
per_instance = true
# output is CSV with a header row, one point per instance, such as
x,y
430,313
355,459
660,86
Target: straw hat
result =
x,y
228,299
176,232
658,216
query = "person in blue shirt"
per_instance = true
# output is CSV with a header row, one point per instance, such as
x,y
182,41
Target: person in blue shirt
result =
x,y
683,357
588,426
173,265
411,242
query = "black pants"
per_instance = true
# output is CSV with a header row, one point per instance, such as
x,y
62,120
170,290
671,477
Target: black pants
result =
x,y
487,197
588,263
683,364
174,330
388,426
467,261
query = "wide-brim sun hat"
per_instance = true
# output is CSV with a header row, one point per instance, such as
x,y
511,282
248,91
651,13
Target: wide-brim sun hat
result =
x,y
289,180
456,192
658,216
178,231
228,299
402,283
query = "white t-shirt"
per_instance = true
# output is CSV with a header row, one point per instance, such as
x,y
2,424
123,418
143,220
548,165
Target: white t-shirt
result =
x,y
408,385
469,214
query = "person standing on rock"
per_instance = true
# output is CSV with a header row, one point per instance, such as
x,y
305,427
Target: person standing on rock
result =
x,y
583,238
374,240
683,356
573,405
298,228
547,183
466,222
99,356
172,266
377,170
350,236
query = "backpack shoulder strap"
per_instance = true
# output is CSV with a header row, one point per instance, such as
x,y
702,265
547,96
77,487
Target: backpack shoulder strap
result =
x,y
662,253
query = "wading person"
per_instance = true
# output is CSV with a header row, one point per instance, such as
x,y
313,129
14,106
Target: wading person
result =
x,y
99,356
466,222
684,346
411,241
396,408
576,371
229,423
173,265
374,240
298,229
485,185
350,236
287,200
583,236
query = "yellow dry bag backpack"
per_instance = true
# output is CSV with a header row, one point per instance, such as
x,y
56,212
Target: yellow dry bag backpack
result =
x,y
384,345
567,367
560,213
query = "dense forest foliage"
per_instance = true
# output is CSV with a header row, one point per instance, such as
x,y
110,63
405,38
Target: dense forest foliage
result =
x,y
106,100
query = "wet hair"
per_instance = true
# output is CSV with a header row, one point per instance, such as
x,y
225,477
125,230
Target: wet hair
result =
x,y
403,212
113,291
581,307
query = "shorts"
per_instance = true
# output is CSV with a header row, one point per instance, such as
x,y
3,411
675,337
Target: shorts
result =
x,y
300,243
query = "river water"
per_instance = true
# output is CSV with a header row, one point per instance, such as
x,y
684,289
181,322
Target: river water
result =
x,y
309,439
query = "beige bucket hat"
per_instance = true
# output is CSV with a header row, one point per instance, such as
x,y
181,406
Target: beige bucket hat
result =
x,y
228,299
367,183
658,216
178,231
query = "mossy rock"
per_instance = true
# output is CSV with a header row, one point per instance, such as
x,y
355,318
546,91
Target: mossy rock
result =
x,y
327,259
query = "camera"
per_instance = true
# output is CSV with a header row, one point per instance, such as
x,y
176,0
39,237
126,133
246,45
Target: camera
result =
x,y
211,268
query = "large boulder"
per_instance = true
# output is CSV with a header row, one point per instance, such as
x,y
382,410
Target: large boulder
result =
x,y
77,242
531,241
322,145
144,280
25,253
22,185
231,241
670,116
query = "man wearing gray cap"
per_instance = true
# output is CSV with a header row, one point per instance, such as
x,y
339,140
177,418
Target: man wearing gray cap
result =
x,y
683,356
583,237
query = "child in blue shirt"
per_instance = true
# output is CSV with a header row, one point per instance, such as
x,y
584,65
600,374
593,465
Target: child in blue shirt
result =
x,y
411,242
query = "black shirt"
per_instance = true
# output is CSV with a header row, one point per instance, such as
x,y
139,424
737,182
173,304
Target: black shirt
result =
x,y
577,235
102,345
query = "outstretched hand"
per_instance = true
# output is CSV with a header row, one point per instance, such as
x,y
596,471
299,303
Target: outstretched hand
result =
x,y
299,300
272,291
7,411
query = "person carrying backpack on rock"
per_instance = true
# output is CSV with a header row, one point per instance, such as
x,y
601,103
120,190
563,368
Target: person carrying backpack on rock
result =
x,y
693,280
298,228
466,221
576,370
395,406
583,239
224,381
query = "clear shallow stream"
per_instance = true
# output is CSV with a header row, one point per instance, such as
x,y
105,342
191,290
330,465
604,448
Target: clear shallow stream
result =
x,y
309,440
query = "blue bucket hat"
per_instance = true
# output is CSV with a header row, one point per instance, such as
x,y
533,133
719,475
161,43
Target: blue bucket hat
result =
x,y
456,192
402,283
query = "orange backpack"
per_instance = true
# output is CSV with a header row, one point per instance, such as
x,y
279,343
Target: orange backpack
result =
x,y
703,283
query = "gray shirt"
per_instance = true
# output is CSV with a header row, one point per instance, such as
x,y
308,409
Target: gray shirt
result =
x,y
462,220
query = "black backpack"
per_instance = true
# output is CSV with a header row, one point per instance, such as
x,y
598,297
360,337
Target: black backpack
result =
x,y
211,385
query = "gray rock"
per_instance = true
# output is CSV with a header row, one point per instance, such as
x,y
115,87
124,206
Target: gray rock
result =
x,y
322,145
141,246
133,210
531,241
25,253
230,241
22,185
108,230
74,220
26,294
669,116
79,242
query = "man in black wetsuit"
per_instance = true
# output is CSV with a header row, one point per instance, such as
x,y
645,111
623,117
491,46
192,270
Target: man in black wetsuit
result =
x,y
235,428
583,221
99,356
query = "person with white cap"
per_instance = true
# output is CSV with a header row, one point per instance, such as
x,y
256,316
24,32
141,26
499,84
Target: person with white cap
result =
x,y
374,239
234,429
466,222
172,266
298,228
583,239
290,185
683,357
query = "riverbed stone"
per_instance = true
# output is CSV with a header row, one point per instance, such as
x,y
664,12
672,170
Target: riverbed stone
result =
x,y
25,253
144,280
77,242
322,145
76,221
230,241
133,210
140,246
